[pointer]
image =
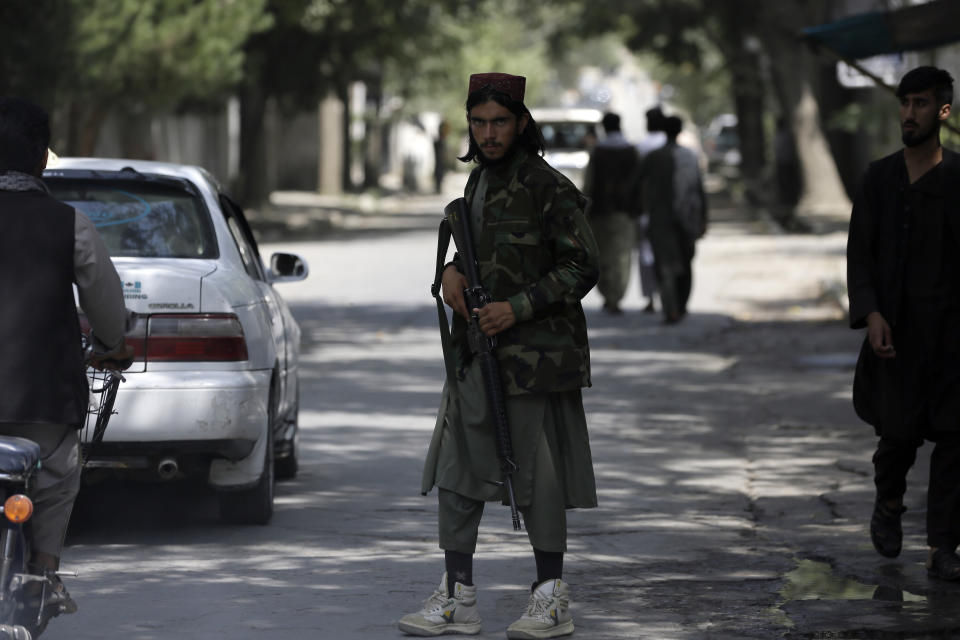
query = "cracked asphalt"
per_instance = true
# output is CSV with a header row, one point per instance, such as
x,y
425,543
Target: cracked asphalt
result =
x,y
734,479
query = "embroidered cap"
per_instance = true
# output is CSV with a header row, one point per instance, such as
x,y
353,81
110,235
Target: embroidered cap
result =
x,y
513,86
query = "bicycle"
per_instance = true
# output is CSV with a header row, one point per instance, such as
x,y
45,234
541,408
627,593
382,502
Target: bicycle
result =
x,y
104,382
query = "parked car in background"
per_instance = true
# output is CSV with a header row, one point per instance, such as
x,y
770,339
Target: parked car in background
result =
x,y
213,391
569,135
722,145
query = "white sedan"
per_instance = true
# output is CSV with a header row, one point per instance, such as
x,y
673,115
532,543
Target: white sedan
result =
x,y
213,390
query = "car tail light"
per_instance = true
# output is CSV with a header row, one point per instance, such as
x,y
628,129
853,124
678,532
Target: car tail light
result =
x,y
135,336
195,337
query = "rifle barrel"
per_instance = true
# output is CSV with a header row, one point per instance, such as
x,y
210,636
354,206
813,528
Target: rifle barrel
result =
x,y
490,371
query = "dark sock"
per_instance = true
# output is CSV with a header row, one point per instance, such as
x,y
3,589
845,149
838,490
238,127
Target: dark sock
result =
x,y
549,565
459,569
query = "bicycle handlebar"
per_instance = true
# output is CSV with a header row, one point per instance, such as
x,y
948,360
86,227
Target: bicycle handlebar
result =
x,y
118,359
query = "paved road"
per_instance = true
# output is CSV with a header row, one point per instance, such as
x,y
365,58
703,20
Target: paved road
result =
x,y
734,479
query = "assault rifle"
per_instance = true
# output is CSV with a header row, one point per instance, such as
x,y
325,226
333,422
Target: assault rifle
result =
x,y
482,347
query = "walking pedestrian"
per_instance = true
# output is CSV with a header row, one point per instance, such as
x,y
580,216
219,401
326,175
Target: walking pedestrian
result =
x,y
610,185
538,259
903,260
654,139
672,192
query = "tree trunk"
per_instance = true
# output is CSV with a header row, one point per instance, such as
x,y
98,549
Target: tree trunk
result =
x,y
74,125
743,54
136,140
748,88
792,74
343,92
373,136
252,188
91,130
83,128
822,191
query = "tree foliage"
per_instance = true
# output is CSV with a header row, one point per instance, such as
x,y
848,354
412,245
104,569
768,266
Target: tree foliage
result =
x,y
319,46
162,51
763,64
507,36
87,57
90,57
33,49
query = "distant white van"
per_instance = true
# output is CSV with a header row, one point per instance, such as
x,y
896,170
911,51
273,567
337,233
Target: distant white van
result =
x,y
569,135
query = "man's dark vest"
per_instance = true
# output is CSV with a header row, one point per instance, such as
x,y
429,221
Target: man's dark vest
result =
x,y
41,367
614,180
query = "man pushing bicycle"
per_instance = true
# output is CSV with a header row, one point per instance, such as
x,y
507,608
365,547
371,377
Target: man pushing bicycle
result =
x,y
46,247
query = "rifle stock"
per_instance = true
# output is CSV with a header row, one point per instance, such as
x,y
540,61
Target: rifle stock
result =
x,y
482,346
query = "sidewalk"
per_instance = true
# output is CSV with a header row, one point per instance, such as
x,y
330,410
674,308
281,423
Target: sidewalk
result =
x,y
307,215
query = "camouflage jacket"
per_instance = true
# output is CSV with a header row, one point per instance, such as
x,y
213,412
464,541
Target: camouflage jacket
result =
x,y
535,251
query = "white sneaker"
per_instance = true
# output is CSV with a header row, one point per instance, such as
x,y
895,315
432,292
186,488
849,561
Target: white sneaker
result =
x,y
547,614
14,632
442,614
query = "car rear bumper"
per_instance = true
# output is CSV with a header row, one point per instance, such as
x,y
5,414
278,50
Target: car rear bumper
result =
x,y
182,406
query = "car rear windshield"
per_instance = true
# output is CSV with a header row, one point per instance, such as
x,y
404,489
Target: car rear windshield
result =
x,y
141,219
566,135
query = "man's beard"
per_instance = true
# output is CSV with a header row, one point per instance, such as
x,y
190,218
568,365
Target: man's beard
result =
x,y
484,160
918,136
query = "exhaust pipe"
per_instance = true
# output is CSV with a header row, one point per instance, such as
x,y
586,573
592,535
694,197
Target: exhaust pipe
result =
x,y
167,469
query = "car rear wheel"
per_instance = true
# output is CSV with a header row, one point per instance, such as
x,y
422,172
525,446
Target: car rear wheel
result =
x,y
288,466
254,505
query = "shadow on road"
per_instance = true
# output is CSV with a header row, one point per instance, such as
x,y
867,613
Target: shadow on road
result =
x,y
727,458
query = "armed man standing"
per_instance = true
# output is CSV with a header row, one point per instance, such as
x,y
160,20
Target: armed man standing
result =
x,y
538,259
903,261
46,247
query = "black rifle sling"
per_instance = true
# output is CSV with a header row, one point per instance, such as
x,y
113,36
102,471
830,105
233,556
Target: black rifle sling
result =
x,y
453,389
443,243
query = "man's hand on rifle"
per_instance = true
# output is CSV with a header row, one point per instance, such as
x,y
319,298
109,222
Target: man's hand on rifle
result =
x,y
495,317
452,284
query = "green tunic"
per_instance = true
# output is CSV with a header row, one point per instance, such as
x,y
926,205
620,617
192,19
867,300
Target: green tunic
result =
x,y
463,455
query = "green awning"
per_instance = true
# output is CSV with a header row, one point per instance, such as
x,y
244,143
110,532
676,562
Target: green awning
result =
x,y
913,28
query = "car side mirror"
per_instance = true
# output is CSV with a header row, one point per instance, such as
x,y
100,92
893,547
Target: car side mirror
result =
x,y
288,267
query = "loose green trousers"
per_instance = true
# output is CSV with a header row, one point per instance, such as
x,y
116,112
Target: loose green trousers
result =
x,y
551,449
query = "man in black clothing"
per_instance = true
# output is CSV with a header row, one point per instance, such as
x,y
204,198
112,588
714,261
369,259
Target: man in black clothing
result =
x,y
672,192
903,261
46,248
610,184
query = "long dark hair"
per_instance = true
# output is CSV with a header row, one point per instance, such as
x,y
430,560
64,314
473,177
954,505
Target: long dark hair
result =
x,y
530,139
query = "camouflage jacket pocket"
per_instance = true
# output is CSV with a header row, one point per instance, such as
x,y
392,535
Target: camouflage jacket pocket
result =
x,y
509,238
520,258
